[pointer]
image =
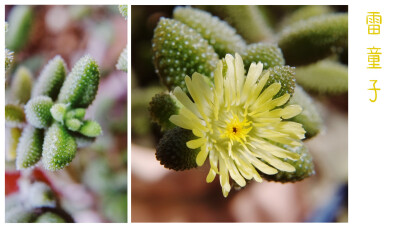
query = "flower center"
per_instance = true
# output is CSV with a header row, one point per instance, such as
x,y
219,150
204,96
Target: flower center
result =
x,y
237,130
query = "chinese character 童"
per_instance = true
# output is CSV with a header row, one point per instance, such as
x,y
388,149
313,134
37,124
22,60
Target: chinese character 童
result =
x,y
374,58
374,20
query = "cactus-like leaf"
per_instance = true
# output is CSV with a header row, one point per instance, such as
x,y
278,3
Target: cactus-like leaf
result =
x,y
51,78
9,56
12,143
38,111
161,108
123,10
179,50
59,148
248,20
328,77
21,85
73,124
269,55
78,113
39,195
306,12
122,63
20,20
50,217
58,111
304,167
283,75
313,39
29,149
15,116
80,87
90,128
309,117
172,151
218,33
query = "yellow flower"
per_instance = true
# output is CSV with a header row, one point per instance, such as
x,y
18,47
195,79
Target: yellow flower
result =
x,y
238,123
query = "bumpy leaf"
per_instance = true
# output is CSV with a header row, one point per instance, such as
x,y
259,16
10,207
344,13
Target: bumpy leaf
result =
x,y
59,148
9,56
50,217
179,50
122,63
73,124
58,111
218,33
248,21
80,87
304,167
268,54
15,116
283,75
309,117
306,12
172,151
21,85
29,149
20,20
51,78
161,108
38,111
313,39
39,195
11,149
328,77
90,128
123,10
78,113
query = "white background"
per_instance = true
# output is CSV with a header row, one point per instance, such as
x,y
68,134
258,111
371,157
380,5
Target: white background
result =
x,y
374,128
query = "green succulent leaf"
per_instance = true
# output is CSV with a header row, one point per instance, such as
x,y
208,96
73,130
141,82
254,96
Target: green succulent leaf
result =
x,y
29,149
19,20
49,217
78,113
80,87
59,147
269,55
90,128
304,167
309,117
283,75
248,20
306,12
40,195
122,63
21,85
58,111
9,57
38,111
11,150
123,10
161,108
179,50
313,39
15,116
73,124
51,78
172,151
326,77
218,33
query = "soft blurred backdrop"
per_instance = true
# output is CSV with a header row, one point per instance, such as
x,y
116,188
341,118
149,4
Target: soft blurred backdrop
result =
x,y
93,188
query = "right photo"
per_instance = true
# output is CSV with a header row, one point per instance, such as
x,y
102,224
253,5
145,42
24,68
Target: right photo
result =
x,y
239,113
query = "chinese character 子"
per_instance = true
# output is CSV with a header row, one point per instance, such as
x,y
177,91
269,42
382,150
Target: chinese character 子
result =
x,y
374,20
374,58
374,89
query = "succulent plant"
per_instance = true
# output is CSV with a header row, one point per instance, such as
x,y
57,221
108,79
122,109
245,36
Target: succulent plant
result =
x,y
185,53
53,118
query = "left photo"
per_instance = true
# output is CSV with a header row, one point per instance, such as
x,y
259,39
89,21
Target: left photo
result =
x,y
66,114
